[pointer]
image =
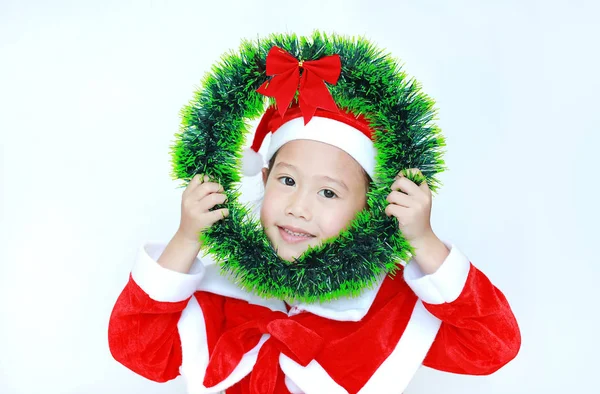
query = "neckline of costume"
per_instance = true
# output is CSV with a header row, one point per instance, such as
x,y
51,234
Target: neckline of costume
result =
x,y
341,309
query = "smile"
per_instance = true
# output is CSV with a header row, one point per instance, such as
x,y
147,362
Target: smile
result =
x,y
292,236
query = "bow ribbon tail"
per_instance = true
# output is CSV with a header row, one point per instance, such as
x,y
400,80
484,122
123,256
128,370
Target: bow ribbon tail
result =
x,y
265,372
228,352
314,94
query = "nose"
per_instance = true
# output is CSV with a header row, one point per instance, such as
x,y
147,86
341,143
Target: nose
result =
x,y
298,206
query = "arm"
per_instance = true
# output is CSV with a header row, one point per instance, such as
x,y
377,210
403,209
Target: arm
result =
x,y
479,333
142,332
180,253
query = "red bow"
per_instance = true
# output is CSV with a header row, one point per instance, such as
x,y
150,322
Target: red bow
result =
x,y
287,336
312,91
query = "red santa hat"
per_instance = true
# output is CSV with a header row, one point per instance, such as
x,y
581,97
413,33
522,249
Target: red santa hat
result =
x,y
314,116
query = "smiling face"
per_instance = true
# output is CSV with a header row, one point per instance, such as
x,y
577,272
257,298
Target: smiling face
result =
x,y
312,192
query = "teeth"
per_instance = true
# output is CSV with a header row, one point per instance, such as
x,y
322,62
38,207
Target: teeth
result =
x,y
297,234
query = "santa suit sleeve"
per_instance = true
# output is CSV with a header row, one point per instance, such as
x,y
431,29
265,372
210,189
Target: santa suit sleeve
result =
x,y
142,332
479,333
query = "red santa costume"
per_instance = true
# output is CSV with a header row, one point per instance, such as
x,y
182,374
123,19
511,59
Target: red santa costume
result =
x,y
219,337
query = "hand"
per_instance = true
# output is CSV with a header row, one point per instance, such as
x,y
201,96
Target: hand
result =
x,y
199,196
411,205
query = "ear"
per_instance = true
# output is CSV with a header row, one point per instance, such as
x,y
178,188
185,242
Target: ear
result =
x,y
265,175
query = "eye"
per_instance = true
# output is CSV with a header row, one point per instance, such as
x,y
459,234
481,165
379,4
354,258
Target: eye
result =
x,y
327,193
286,180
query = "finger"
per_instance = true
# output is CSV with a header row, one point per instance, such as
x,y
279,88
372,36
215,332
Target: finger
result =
x,y
410,171
405,186
397,211
205,189
425,188
400,198
218,214
211,200
193,183
191,186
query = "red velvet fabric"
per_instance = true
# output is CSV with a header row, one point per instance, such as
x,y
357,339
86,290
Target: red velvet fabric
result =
x,y
142,334
304,337
478,335
287,336
286,80
373,338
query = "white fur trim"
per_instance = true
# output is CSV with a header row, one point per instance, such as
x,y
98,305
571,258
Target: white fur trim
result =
x,y
165,285
252,162
331,132
312,379
394,373
404,361
444,285
214,282
160,283
242,369
192,331
342,309
291,386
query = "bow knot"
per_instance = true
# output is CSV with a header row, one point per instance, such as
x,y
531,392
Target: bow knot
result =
x,y
287,336
312,91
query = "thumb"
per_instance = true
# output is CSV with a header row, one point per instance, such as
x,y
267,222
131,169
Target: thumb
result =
x,y
424,186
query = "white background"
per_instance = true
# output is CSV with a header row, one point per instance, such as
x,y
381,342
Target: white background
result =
x,y
90,94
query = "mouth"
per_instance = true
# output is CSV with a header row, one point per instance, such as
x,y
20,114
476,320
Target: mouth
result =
x,y
294,235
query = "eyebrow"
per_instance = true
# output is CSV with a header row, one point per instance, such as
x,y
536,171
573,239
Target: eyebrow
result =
x,y
325,177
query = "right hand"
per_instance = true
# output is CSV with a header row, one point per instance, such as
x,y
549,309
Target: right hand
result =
x,y
199,196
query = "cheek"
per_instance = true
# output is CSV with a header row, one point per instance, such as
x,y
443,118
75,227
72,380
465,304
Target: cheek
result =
x,y
334,220
269,207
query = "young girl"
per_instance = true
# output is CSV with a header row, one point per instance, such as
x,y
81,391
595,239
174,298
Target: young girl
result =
x,y
176,316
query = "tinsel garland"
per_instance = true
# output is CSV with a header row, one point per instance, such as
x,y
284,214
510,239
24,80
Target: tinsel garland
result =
x,y
215,124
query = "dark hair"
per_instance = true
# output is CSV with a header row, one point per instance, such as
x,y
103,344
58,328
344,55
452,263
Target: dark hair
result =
x,y
366,176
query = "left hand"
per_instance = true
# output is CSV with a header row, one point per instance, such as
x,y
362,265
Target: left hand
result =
x,y
411,205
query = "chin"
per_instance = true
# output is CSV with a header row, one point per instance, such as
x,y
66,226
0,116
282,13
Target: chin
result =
x,y
291,255
289,259
286,254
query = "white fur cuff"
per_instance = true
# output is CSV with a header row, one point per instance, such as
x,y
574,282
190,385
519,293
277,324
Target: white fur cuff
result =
x,y
160,283
444,285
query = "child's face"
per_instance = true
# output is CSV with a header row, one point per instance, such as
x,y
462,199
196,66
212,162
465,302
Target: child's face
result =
x,y
312,192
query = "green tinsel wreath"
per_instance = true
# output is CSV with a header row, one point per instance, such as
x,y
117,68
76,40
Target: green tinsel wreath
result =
x,y
212,135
